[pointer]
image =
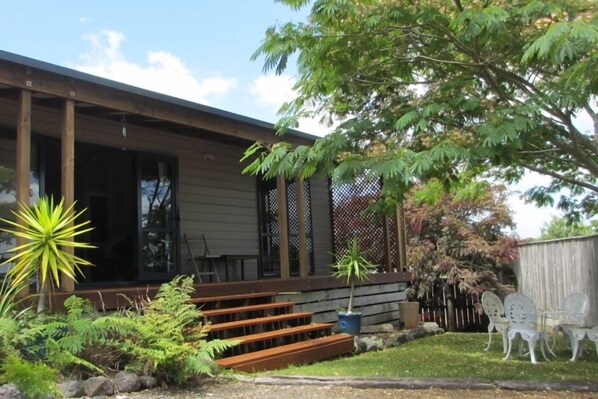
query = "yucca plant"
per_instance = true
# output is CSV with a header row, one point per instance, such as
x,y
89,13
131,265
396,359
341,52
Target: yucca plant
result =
x,y
351,266
49,231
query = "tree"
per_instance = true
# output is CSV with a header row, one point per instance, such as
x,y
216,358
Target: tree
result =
x,y
443,90
459,241
559,227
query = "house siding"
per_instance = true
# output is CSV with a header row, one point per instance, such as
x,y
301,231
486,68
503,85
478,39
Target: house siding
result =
x,y
215,198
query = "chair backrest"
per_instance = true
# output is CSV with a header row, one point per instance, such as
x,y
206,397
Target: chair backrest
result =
x,y
576,308
520,311
493,307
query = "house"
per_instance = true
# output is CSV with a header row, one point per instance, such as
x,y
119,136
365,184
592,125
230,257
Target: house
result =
x,y
152,170
161,181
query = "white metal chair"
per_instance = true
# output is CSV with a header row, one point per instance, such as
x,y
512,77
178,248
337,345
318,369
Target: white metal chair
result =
x,y
495,310
573,324
207,259
522,315
593,336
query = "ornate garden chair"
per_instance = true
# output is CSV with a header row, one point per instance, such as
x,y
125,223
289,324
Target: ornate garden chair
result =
x,y
522,315
495,310
573,324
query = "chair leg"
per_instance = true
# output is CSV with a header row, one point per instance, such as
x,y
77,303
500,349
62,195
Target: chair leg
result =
x,y
531,343
510,346
490,328
505,341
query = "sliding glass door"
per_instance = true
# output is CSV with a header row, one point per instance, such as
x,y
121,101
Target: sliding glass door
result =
x,y
158,231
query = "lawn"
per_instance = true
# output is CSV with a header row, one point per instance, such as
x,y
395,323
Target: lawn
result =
x,y
456,355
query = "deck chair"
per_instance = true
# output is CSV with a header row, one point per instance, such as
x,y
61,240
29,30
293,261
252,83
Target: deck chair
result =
x,y
495,311
203,262
522,315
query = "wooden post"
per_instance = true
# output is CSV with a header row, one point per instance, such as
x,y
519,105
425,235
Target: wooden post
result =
x,y
387,252
23,147
283,227
401,239
301,227
23,165
68,170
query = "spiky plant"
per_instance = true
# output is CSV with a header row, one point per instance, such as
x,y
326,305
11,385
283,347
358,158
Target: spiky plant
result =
x,y
49,232
351,266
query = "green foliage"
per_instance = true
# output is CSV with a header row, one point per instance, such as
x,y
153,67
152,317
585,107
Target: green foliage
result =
x,y
352,266
166,337
562,228
48,230
11,304
442,91
34,379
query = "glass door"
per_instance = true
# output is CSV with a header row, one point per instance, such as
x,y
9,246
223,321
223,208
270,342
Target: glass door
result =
x,y
158,227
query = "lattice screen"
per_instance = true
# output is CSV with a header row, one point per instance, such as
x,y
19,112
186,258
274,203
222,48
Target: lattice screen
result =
x,y
349,202
270,238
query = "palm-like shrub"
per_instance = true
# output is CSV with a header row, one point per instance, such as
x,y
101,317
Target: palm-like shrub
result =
x,y
352,266
49,231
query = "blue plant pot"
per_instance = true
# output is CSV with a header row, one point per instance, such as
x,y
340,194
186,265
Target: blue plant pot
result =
x,y
349,323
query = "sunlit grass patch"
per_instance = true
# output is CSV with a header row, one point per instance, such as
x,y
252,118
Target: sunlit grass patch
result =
x,y
457,355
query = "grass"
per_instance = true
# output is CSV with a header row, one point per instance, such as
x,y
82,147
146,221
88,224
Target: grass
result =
x,y
457,355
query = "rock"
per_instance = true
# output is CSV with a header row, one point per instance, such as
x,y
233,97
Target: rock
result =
x,y
71,389
368,343
377,328
148,382
96,386
9,391
126,382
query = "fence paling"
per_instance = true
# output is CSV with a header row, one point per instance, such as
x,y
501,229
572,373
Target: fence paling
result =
x,y
434,308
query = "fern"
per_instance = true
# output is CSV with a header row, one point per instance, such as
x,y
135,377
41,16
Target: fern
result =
x,y
34,379
164,338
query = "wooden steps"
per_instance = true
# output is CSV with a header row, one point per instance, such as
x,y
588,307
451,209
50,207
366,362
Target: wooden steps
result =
x,y
269,333
297,353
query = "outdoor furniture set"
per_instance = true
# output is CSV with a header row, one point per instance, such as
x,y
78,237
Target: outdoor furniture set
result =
x,y
518,318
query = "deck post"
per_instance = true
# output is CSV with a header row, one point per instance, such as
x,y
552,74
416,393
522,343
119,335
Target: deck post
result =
x,y
301,227
401,238
283,227
68,170
23,165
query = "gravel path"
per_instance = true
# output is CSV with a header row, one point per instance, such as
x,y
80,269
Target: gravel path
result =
x,y
221,388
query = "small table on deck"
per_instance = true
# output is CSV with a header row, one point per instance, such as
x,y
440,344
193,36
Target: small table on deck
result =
x,y
230,259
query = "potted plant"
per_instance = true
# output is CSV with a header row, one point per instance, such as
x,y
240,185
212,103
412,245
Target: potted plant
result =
x,y
352,266
409,310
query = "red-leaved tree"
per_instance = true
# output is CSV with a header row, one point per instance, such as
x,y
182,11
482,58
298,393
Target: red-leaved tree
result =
x,y
459,241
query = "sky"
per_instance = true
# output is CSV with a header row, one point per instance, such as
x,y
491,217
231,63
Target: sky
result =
x,y
198,50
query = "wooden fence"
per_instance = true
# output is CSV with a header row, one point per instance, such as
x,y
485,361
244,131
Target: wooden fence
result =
x,y
550,270
468,318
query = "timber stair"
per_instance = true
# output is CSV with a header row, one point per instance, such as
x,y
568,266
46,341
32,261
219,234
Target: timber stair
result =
x,y
270,334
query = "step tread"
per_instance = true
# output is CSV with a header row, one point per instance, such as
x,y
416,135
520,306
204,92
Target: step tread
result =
x,y
258,320
281,332
287,351
249,308
233,297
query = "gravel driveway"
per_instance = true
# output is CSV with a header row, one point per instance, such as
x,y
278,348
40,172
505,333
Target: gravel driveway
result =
x,y
222,388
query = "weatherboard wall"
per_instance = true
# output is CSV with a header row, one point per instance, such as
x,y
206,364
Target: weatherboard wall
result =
x,y
215,198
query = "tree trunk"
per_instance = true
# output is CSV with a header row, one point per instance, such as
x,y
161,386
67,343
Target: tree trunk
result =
x,y
451,321
350,307
41,302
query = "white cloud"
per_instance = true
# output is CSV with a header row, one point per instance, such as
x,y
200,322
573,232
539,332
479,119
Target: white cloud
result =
x,y
164,73
272,91
528,217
